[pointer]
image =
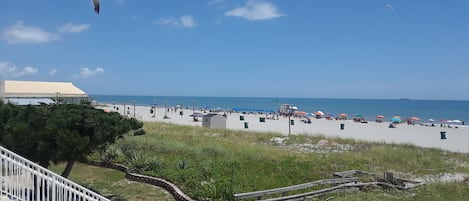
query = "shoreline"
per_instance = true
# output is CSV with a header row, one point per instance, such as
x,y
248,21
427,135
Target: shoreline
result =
x,y
419,135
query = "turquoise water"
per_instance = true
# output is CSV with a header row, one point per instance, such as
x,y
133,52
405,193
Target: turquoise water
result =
x,y
425,109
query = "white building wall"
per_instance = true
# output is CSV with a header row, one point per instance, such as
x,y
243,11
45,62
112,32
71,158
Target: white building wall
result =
x,y
2,90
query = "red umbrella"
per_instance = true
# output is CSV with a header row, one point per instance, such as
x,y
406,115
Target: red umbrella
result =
x,y
343,115
300,112
415,119
380,117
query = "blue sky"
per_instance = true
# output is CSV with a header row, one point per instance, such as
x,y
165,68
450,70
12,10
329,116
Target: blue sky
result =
x,y
248,48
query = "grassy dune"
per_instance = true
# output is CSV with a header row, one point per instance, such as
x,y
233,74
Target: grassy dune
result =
x,y
214,164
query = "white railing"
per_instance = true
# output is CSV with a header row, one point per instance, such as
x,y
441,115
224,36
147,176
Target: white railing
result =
x,y
23,180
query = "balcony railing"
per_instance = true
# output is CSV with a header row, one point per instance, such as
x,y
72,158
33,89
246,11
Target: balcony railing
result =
x,y
23,180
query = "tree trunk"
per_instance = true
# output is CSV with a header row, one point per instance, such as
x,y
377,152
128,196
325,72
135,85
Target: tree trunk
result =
x,y
68,168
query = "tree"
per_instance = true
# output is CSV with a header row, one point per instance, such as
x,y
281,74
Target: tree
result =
x,y
63,132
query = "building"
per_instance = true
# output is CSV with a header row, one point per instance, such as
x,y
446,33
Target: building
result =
x,y
213,120
32,92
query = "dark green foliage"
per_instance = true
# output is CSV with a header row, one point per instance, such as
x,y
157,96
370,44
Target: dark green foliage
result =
x,y
156,165
139,162
111,154
63,132
183,164
139,132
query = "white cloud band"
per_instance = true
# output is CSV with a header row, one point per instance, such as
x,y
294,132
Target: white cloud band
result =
x,y
8,69
19,33
256,10
86,72
186,21
73,28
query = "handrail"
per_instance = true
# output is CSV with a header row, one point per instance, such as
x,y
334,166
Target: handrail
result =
x,y
23,180
261,193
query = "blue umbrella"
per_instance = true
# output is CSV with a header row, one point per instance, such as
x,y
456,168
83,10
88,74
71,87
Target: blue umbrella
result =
x,y
395,120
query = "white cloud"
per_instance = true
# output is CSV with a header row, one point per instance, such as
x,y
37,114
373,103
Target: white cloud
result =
x,y
19,33
389,7
86,72
53,72
120,2
186,21
73,28
8,69
256,10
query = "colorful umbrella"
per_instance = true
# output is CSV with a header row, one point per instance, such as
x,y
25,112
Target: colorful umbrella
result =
x,y
395,120
320,113
380,116
415,119
343,115
299,112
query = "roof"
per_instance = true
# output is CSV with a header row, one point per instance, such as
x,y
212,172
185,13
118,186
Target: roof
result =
x,y
212,115
41,89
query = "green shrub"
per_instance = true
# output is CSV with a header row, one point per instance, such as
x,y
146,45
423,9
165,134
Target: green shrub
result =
x,y
183,164
139,132
139,162
111,154
156,165
127,150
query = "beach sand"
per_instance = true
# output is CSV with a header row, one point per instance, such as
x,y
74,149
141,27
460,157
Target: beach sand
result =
x,y
423,136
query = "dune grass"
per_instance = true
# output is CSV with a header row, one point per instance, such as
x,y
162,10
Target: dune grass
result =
x,y
215,163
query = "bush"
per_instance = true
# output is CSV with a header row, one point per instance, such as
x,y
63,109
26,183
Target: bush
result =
x,y
183,164
139,132
156,165
127,150
111,154
139,162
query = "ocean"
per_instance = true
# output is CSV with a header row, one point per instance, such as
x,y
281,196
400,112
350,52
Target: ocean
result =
x,y
369,108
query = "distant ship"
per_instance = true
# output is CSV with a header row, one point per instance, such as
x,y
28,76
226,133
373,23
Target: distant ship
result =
x,y
404,99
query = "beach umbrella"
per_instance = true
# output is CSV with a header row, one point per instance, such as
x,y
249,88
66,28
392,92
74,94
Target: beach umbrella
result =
x,y
96,6
343,115
395,120
431,120
301,113
380,117
456,121
319,113
197,114
415,119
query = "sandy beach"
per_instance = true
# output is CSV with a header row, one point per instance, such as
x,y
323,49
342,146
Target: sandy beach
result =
x,y
424,136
